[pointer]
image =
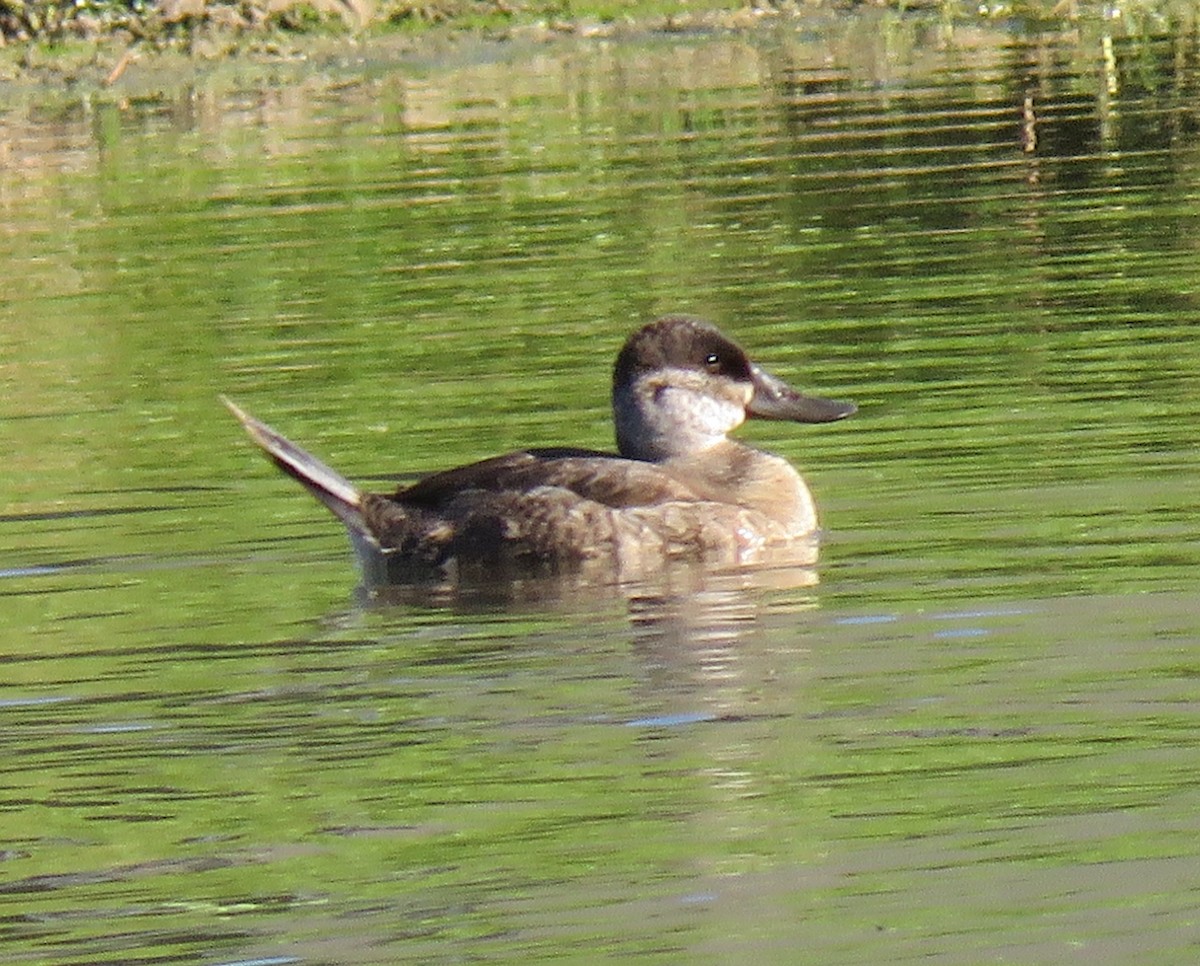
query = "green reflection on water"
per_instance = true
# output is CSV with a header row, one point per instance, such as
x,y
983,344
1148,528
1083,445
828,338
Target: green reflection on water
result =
x,y
207,742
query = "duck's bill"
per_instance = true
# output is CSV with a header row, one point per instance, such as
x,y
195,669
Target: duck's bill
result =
x,y
775,399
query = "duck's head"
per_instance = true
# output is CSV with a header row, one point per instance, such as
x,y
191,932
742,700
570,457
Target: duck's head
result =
x,y
680,386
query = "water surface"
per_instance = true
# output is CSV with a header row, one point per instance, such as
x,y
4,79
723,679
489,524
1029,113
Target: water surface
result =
x,y
971,740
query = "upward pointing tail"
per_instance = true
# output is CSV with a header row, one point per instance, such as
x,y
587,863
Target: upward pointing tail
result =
x,y
326,484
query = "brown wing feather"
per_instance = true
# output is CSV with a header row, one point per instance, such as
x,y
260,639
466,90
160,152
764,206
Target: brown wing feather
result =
x,y
538,504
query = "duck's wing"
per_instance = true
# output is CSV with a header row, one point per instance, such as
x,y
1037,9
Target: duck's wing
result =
x,y
603,478
535,505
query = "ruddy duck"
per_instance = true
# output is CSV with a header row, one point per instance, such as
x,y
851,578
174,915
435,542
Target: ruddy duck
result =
x,y
678,487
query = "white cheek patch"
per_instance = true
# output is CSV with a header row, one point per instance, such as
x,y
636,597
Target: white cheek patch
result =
x,y
698,412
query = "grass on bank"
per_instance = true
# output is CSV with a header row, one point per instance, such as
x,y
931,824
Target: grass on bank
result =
x,y
166,23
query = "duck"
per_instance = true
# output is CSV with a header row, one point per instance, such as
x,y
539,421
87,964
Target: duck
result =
x,y
677,488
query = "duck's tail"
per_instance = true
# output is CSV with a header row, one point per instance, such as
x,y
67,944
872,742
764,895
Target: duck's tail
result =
x,y
326,484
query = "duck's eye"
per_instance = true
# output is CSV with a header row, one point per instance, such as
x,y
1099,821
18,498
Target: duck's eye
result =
x,y
712,362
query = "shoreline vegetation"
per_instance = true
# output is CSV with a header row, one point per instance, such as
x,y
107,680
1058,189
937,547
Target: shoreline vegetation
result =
x,y
91,44
214,28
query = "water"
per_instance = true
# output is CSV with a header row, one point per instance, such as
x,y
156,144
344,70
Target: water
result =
x,y
973,740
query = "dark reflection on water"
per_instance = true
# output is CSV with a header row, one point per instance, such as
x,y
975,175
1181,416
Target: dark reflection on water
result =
x,y
978,709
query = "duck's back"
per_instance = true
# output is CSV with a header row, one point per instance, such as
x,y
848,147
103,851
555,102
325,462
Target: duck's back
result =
x,y
604,478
